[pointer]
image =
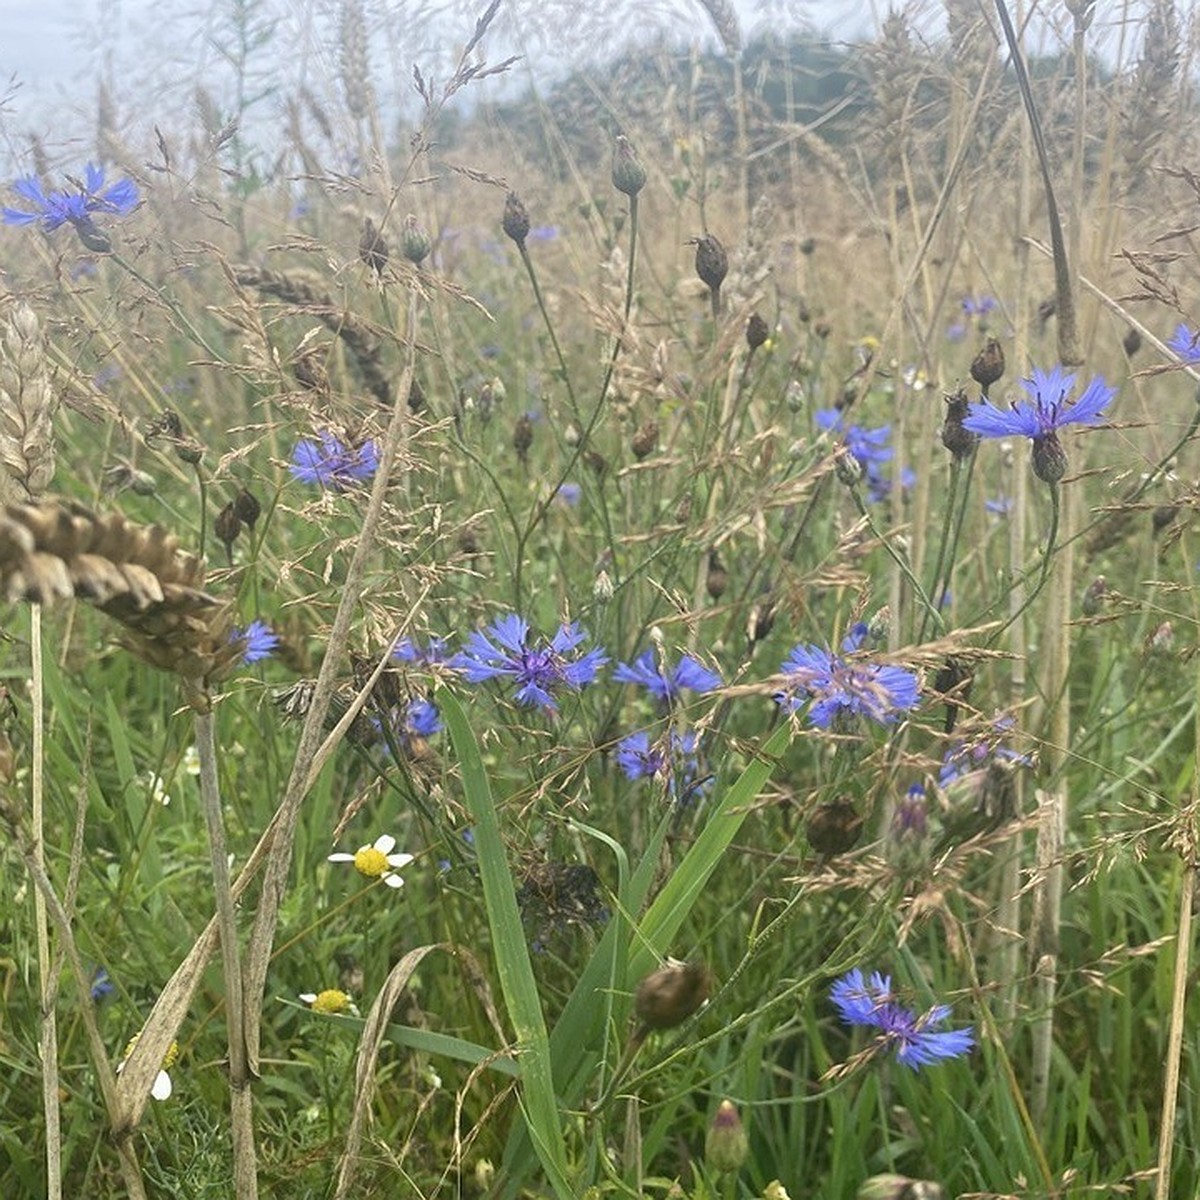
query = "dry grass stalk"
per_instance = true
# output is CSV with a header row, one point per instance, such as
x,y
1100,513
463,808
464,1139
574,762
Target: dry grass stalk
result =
x,y
894,75
1151,107
356,71
307,294
27,404
135,574
725,22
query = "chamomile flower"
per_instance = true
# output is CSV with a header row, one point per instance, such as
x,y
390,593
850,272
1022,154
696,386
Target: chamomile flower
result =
x,y
331,1002
377,861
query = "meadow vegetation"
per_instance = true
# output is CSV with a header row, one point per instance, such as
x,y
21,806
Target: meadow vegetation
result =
x,y
637,640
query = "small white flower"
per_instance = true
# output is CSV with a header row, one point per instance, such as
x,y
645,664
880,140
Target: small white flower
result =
x,y
378,861
161,1088
158,789
331,1001
191,761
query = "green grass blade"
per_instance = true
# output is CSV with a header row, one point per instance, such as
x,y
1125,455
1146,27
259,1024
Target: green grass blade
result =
x,y
512,954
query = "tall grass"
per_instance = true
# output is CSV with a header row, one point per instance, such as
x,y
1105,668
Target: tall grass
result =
x,y
634,391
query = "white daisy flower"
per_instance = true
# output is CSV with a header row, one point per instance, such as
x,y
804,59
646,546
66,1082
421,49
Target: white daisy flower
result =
x,y
378,861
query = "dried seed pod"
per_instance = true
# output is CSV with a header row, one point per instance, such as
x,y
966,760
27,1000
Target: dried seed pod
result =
x,y
515,222
988,365
668,996
227,527
717,579
247,507
372,248
834,826
959,440
712,265
645,440
757,331
523,437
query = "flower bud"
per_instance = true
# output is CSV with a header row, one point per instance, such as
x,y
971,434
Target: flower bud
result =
x,y
522,437
602,587
848,469
645,439
1094,596
628,174
515,222
988,365
247,507
834,826
726,1145
1131,342
227,527
717,578
712,265
757,331
668,996
794,395
908,835
372,249
414,241
960,441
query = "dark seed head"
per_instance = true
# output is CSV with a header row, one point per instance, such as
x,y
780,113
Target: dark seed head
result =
x,y
645,440
628,174
668,996
988,365
515,222
1132,341
372,248
834,826
712,263
960,441
247,507
757,331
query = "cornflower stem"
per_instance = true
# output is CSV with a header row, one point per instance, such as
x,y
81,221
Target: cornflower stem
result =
x,y
47,991
945,556
898,559
244,1159
543,505
1047,559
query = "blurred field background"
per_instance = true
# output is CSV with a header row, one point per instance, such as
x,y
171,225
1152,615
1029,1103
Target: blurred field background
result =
x,y
384,372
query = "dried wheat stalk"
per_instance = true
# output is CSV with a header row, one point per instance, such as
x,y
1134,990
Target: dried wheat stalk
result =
x,y
27,404
51,550
725,22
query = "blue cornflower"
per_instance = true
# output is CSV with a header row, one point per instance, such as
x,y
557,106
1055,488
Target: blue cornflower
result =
x,y
868,446
665,685
1186,344
1042,416
430,654
912,1038
539,670
422,719
674,760
568,494
102,986
259,639
843,688
978,306
332,464
879,486
57,208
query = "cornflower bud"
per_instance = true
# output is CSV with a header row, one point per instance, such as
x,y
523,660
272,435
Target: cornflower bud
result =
x,y
960,441
757,331
668,996
712,265
1132,342
717,578
645,439
628,174
515,222
726,1144
227,527
414,241
372,249
1094,596
247,507
523,436
834,826
988,365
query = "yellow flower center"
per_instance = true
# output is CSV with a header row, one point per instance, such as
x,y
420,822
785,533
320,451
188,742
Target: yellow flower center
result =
x,y
331,1000
168,1059
370,861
